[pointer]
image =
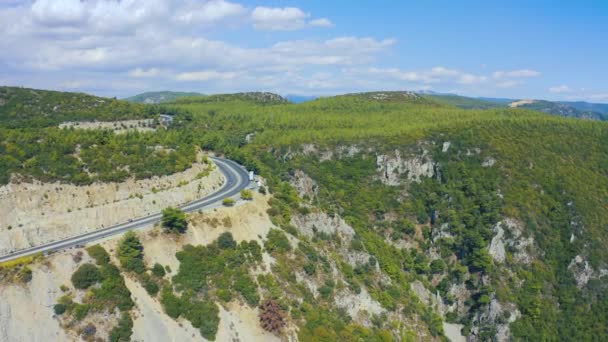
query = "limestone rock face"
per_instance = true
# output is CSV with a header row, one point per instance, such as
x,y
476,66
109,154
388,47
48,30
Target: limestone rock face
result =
x,y
32,214
508,232
395,168
304,185
321,222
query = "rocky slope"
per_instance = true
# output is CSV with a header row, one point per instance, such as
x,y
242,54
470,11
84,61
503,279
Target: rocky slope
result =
x,y
37,213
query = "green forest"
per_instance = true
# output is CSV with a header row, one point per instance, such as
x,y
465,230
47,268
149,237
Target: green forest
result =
x,y
549,173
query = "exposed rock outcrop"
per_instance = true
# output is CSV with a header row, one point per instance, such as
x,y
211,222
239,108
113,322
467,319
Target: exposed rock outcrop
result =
x,y
321,222
38,213
304,185
509,235
396,168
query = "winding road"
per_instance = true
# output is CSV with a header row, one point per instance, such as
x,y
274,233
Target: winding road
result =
x,y
236,179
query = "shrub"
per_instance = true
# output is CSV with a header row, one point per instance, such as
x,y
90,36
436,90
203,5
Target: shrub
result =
x,y
158,270
124,329
149,284
130,253
226,241
277,241
174,220
247,288
81,311
437,266
89,330
272,317
246,195
24,275
85,276
99,254
229,202
59,309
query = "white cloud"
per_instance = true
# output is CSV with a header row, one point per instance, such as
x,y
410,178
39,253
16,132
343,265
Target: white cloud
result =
x,y
284,19
523,73
321,22
508,84
278,19
207,75
209,12
142,73
59,12
560,89
598,97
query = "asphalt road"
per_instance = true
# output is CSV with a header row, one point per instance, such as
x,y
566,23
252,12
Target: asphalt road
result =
x,y
236,179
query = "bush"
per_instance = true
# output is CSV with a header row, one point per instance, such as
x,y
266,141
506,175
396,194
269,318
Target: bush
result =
x,y
59,309
226,241
130,253
81,311
85,276
124,329
229,202
158,270
246,195
277,241
174,220
149,284
247,288
99,254
437,266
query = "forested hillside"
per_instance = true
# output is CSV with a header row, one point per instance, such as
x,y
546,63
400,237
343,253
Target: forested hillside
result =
x,y
32,145
157,97
531,185
495,219
22,107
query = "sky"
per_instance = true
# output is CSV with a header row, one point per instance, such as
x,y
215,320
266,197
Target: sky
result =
x,y
554,50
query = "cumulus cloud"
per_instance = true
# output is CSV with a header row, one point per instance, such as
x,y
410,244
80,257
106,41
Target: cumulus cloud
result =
x,y
110,47
284,19
434,75
321,22
142,73
523,73
207,75
560,89
278,19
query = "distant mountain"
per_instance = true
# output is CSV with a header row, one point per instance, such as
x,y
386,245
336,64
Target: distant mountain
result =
x,y
300,98
156,97
462,101
557,108
588,107
256,97
24,107
584,110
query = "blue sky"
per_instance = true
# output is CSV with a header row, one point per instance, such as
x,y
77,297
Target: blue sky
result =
x,y
518,49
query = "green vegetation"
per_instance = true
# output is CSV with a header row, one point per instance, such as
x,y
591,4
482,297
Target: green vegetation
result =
x,y
112,294
174,220
124,329
24,107
246,194
158,270
156,97
219,271
85,276
277,241
130,253
548,174
229,202
99,254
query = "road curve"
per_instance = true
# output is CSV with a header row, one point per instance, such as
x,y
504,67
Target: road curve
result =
x,y
236,179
